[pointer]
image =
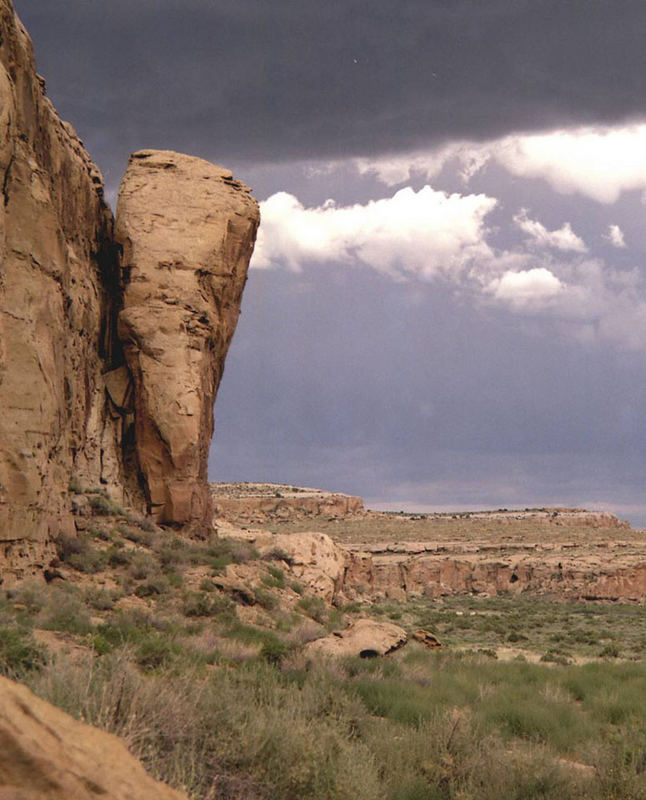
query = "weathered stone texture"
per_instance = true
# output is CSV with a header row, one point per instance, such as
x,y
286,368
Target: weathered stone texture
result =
x,y
71,406
186,230
55,280
47,755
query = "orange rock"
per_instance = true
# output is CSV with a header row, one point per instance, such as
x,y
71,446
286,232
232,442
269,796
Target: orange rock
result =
x,y
47,755
186,230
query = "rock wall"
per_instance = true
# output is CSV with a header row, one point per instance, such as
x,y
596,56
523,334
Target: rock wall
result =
x,y
186,230
615,573
56,284
76,408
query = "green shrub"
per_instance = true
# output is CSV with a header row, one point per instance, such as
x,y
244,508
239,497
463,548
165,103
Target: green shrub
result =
x,y
118,556
32,594
175,579
553,656
79,553
156,652
200,604
266,598
314,607
137,535
102,505
274,651
144,523
142,566
19,651
65,612
90,561
275,577
98,598
155,586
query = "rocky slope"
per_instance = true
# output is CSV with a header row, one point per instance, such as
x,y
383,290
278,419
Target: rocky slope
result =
x,y
80,404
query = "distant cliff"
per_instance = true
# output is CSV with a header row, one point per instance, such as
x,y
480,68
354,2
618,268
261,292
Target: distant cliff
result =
x,y
111,346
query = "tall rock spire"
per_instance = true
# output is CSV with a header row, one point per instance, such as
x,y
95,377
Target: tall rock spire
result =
x,y
186,231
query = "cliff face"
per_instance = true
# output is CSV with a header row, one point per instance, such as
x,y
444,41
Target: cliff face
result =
x,y
56,279
72,411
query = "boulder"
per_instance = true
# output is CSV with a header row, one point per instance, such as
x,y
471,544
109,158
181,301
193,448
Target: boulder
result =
x,y
426,638
47,755
366,638
314,559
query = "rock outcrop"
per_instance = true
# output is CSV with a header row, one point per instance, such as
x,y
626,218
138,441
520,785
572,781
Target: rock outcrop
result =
x,y
610,571
186,230
366,638
78,408
47,755
259,503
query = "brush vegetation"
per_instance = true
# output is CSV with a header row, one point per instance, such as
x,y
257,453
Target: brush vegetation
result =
x,y
140,641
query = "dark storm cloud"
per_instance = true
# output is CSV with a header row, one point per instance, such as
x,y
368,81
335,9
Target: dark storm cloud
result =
x,y
396,393
251,79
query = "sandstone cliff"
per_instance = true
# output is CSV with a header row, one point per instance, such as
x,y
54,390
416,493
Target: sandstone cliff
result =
x,y
77,406
56,287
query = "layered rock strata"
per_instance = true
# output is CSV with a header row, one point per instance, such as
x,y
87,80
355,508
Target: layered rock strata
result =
x,y
262,502
77,409
590,568
610,571
186,230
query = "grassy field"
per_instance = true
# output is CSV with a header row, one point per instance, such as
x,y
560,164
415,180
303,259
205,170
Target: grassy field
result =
x,y
373,528
225,709
528,626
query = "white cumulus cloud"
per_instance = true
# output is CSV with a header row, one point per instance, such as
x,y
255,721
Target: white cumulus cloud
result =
x,y
562,239
527,286
599,162
409,234
615,236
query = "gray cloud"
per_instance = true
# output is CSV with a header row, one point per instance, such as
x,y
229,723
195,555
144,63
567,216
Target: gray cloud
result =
x,y
251,80
400,393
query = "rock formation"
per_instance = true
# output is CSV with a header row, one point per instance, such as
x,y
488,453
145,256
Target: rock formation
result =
x,y
76,408
47,755
364,637
605,570
259,503
186,230
56,283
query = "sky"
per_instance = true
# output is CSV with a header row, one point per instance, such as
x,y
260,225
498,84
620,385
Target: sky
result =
x,y
446,308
